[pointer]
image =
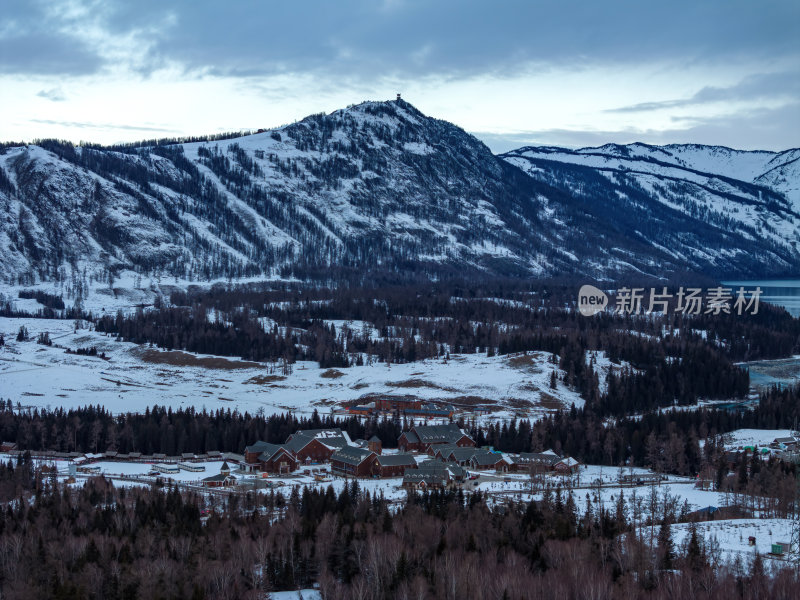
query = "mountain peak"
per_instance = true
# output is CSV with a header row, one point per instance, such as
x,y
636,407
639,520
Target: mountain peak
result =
x,y
379,187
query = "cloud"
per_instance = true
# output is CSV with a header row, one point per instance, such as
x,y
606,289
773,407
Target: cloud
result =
x,y
763,128
90,125
455,36
37,39
757,87
367,39
47,54
54,94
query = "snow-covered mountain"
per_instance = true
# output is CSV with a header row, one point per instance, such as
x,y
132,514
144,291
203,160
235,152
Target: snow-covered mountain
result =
x,y
381,188
756,193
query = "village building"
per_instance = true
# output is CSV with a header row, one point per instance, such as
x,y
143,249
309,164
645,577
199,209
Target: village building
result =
x,y
375,444
221,480
430,411
426,479
442,451
269,458
432,474
457,473
406,405
731,458
397,403
784,443
166,468
393,465
536,462
50,471
423,437
253,451
353,462
316,445
567,466
234,458
277,459
484,460
191,466
457,454
362,410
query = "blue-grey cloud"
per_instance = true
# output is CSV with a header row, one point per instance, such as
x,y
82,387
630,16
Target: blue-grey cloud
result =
x,y
457,37
368,39
90,125
47,54
54,94
754,87
34,41
763,128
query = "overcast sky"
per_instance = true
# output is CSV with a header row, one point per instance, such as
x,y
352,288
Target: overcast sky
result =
x,y
563,72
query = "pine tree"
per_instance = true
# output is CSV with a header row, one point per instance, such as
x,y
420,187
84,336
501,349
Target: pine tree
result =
x,y
695,557
666,548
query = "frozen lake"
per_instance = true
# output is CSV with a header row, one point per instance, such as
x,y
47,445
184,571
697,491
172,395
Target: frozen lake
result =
x,y
766,373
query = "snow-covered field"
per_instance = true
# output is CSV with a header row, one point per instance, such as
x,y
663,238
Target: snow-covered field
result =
x,y
753,437
729,537
135,377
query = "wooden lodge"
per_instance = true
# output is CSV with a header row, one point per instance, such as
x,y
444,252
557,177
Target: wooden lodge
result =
x,y
423,437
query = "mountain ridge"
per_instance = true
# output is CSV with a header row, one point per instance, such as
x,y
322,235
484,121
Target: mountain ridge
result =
x,y
772,160
763,207
377,187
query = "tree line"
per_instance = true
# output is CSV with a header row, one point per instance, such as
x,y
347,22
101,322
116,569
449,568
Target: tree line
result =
x,y
667,441
99,541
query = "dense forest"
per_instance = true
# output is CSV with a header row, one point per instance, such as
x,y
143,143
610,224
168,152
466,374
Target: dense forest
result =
x,y
98,541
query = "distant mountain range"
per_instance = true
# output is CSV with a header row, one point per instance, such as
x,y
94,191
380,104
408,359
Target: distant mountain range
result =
x,y
380,188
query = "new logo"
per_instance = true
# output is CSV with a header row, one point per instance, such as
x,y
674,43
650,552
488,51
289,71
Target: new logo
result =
x,y
591,300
